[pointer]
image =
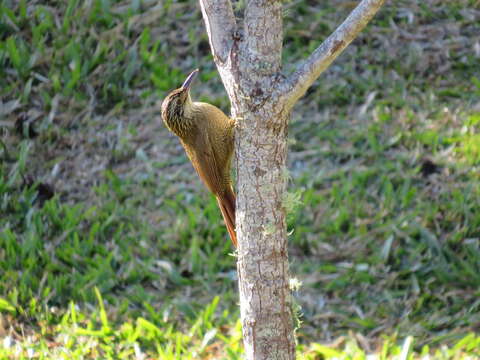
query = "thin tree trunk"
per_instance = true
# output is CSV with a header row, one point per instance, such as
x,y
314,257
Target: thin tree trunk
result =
x,y
262,264
249,62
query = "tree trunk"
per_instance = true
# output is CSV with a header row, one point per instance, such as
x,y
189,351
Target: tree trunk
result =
x,y
262,264
249,64
261,152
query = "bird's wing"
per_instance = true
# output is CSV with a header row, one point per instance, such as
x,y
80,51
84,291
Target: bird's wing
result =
x,y
205,163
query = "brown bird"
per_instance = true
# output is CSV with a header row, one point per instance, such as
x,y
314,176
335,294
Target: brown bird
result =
x,y
207,136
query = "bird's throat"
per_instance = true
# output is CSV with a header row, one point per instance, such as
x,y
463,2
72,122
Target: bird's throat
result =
x,y
182,119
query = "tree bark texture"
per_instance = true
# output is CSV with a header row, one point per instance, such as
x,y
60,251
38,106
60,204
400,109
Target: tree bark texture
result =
x,y
262,264
248,57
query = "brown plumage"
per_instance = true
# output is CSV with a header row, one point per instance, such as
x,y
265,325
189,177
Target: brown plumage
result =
x,y
206,134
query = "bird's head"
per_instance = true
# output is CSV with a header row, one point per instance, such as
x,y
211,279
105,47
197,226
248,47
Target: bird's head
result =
x,y
176,106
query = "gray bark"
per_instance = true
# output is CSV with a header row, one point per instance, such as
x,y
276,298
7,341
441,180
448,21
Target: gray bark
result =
x,y
261,97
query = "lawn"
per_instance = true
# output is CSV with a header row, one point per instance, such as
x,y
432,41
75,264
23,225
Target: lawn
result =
x,y
111,248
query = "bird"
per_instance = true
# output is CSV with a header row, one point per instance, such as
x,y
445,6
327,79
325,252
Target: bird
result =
x,y
207,135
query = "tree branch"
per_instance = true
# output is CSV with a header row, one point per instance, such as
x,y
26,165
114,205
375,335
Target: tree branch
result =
x,y
295,86
264,35
220,23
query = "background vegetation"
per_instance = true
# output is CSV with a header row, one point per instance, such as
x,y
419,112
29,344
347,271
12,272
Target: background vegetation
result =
x,y
111,248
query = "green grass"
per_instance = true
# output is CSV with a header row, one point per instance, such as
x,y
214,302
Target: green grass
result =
x,y
110,247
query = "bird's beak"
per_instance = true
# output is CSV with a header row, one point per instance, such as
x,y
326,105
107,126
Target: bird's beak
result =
x,y
188,81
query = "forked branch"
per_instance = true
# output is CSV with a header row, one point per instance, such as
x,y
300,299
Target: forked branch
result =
x,y
220,23
295,86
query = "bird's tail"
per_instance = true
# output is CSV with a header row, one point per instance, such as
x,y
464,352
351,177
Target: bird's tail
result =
x,y
226,202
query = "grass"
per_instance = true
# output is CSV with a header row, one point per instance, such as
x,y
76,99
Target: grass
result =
x,y
109,247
